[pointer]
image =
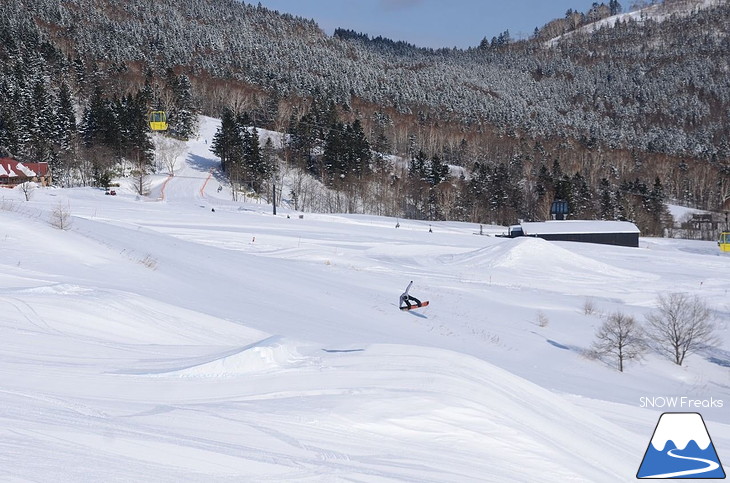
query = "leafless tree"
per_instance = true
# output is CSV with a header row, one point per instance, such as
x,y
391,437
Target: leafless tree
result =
x,y
61,216
167,151
681,324
141,181
27,188
620,336
235,177
638,5
589,306
140,176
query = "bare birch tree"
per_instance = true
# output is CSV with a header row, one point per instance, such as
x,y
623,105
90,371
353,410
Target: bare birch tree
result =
x,y
61,216
681,325
167,151
620,336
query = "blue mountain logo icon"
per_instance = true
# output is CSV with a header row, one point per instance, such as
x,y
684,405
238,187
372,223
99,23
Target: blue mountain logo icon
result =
x,y
681,448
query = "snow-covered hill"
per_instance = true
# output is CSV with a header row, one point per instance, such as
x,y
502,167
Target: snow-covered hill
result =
x,y
187,337
658,12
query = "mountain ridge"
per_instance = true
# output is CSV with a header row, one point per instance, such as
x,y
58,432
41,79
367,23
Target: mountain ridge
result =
x,y
262,48
627,104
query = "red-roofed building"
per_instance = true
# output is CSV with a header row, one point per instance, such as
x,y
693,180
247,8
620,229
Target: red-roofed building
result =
x,y
13,173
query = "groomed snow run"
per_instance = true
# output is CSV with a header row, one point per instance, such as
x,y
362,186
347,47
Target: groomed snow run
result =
x,y
183,336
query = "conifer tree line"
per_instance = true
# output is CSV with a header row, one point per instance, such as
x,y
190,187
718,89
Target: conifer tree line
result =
x,y
244,161
328,143
61,111
608,121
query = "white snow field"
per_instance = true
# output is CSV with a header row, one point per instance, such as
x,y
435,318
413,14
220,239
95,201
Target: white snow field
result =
x,y
158,340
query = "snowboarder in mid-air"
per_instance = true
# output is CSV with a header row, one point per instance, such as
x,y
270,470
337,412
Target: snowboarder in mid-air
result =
x,y
407,299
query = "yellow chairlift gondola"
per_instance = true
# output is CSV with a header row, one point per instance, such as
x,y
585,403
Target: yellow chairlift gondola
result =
x,y
724,241
158,121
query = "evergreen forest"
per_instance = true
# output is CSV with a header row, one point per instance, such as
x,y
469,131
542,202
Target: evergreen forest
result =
x,y
617,115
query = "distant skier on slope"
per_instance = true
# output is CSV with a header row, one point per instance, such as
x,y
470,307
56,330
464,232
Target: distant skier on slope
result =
x,y
407,299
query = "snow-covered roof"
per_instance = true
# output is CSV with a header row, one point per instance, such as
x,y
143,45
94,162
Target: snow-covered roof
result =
x,y
25,170
13,169
577,226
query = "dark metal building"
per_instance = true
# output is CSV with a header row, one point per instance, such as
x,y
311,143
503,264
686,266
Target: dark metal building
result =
x,y
621,233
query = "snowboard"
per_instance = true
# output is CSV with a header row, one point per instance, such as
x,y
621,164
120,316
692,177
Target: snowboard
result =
x,y
423,304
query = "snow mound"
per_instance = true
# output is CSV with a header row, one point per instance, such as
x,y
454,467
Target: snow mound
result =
x,y
529,254
467,406
266,355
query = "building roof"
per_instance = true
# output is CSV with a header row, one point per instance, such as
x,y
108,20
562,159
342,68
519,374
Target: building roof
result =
x,y
12,169
577,226
40,169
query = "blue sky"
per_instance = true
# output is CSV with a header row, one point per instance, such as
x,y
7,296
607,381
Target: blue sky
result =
x,y
432,23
